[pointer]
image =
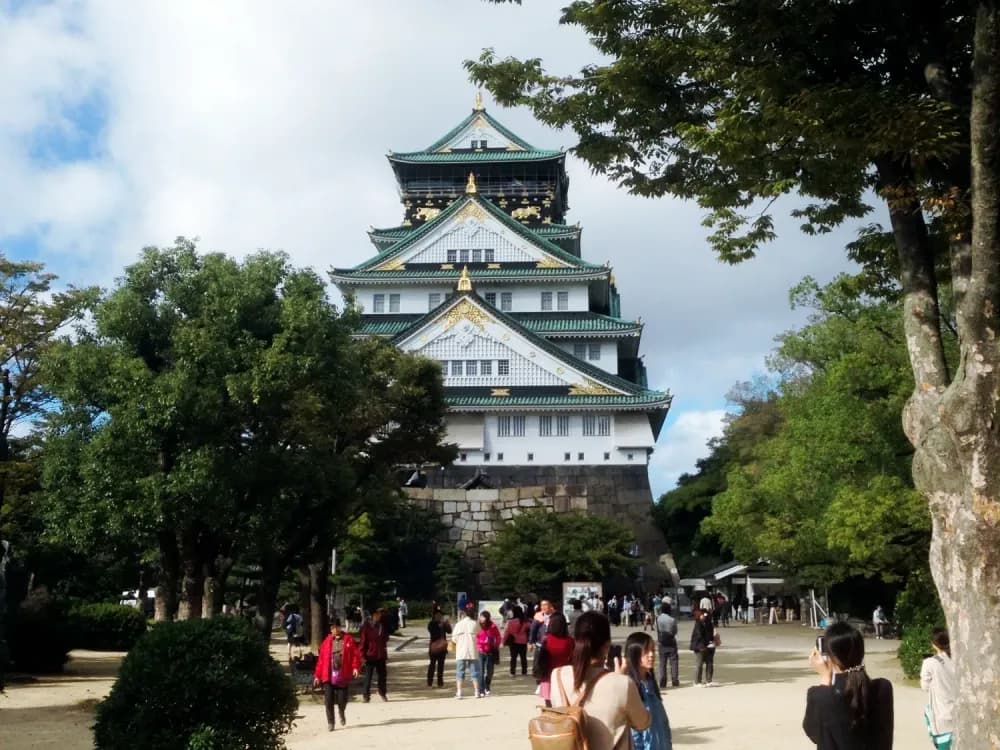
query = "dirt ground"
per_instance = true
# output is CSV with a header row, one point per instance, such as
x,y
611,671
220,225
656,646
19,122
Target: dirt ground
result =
x,y
761,671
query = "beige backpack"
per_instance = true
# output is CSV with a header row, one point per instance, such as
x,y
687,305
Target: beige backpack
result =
x,y
563,728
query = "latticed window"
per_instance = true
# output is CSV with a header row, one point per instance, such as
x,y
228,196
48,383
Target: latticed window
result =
x,y
546,301
589,424
452,256
562,426
518,426
463,256
470,366
506,301
378,303
491,298
433,300
477,256
562,301
580,351
394,303
456,367
503,426
604,425
595,352
503,367
488,254
486,367
545,426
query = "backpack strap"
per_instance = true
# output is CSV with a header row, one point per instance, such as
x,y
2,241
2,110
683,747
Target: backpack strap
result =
x,y
587,689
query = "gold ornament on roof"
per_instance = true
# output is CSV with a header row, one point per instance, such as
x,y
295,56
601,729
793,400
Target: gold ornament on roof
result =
x,y
500,392
470,186
477,106
464,282
394,264
547,261
470,210
591,388
464,310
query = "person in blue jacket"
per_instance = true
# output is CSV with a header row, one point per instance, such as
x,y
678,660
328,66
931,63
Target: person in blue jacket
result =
x,y
640,655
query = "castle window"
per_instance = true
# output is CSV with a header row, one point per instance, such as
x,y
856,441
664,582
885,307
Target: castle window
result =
x,y
470,366
506,301
486,457
594,352
545,426
607,456
546,301
562,426
629,456
604,425
589,424
433,300
452,256
378,303
491,298
503,367
503,426
477,256
488,254
486,367
562,300
499,456
531,456
463,457
456,367
518,425
580,351
565,456
579,456
394,303
463,256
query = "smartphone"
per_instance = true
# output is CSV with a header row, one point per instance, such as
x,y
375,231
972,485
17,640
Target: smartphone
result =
x,y
615,652
821,645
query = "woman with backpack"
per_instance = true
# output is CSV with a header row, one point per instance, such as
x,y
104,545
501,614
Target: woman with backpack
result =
x,y
847,710
515,635
937,678
610,700
640,654
488,645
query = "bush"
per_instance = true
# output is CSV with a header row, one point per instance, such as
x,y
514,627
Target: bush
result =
x,y
105,627
914,647
206,684
39,637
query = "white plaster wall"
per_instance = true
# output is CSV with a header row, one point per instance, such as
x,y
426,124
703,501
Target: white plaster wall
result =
x,y
609,352
528,298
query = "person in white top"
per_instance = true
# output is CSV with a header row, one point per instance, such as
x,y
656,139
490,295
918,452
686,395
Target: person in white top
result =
x,y
879,620
466,653
937,677
613,705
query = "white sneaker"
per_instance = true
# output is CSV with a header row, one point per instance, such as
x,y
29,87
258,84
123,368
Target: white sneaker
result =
x,y
487,692
458,696
710,684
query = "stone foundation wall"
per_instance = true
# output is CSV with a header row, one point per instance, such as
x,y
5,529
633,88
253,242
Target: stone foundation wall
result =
x,y
472,517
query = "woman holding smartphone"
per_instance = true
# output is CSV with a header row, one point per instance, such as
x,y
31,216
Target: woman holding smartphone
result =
x,y
847,710
640,654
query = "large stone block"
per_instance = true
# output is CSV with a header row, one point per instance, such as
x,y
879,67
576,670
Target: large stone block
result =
x,y
482,495
509,493
451,507
578,503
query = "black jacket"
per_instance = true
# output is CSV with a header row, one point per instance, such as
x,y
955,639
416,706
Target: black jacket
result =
x,y
701,635
828,718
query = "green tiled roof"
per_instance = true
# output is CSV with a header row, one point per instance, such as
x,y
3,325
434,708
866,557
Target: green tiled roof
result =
x,y
392,325
494,123
517,227
347,275
385,236
463,157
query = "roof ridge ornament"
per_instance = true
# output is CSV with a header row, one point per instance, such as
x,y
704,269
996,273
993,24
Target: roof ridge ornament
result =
x,y
464,281
470,186
477,106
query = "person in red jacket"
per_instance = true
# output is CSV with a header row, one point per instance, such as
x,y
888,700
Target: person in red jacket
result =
x,y
374,637
339,660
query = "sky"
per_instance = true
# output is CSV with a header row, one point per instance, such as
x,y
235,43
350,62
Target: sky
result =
x,y
265,125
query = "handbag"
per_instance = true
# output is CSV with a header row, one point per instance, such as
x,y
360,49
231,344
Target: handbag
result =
x,y
439,646
540,663
716,639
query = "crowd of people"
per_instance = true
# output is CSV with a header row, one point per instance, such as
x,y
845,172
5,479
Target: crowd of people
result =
x,y
572,660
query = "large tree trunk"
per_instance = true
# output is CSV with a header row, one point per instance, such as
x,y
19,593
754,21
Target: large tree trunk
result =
x,y
267,597
192,582
216,575
317,591
166,585
305,603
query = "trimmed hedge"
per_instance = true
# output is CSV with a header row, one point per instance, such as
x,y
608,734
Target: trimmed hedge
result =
x,y
39,639
204,684
105,627
914,647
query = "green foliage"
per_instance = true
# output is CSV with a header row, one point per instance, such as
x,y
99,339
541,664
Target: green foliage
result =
x,y
105,627
198,684
39,637
817,472
914,647
737,104
918,603
451,575
540,549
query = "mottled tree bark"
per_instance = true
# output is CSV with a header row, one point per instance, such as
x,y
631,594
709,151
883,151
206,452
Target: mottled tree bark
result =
x,y
305,602
166,585
192,581
317,592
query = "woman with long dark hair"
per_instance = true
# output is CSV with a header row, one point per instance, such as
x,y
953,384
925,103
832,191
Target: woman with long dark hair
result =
x,y
558,647
610,699
515,635
703,645
848,710
640,655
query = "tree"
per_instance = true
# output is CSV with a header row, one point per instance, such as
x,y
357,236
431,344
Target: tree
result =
x,y
451,575
736,104
540,549
221,409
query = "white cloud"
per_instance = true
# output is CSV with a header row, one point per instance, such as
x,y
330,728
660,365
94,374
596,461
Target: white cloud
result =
x,y
681,445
